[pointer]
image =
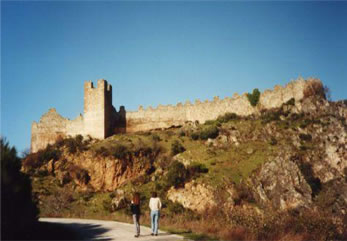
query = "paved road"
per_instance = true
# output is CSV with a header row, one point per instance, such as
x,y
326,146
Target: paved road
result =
x,y
110,230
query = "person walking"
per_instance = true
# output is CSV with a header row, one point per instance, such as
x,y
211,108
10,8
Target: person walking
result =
x,y
135,210
155,206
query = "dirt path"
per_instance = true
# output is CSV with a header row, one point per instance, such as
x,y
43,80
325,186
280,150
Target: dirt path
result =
x,y
109,230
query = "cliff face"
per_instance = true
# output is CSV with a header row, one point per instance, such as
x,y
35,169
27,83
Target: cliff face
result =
x,y
97,173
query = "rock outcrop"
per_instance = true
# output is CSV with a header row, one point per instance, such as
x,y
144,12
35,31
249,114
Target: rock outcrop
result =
x,y
88,170
281,184
195,196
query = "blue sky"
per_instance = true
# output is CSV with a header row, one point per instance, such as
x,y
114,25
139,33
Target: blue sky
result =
x,y
160,52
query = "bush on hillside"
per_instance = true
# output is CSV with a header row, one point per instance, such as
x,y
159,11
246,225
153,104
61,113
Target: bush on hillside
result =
x,y
222,119
227,117
73,144
197,168
119,151
177,175
209,132
177,147
212,122
37,159
270,115
254,97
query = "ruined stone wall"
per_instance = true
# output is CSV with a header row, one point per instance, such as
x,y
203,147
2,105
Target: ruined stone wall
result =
x,y
167,116
50,127
98,120
53,126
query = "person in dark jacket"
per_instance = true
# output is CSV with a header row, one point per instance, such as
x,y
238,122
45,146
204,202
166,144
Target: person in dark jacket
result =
x,y
135,210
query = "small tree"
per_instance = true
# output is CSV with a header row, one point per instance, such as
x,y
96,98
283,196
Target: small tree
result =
x,y
254,97
177,147
19,211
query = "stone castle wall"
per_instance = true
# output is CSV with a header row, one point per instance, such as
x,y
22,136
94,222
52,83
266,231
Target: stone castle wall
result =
x,y
167,116
96,121
101,119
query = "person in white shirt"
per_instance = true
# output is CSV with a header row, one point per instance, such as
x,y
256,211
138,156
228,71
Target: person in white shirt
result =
x,y
155,206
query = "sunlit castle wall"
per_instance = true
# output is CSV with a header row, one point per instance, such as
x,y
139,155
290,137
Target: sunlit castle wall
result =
x,y
101,120
167,116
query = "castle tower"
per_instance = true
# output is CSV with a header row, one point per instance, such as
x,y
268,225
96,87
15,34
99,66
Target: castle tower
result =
x,y
98,109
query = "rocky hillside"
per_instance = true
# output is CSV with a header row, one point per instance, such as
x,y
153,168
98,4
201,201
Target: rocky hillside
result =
x,y
284,162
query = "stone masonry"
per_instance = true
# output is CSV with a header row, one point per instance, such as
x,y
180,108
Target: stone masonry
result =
x,y
101,120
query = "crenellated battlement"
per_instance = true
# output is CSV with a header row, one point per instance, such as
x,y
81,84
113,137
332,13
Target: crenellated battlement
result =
x,y
293,88
164,116
100,119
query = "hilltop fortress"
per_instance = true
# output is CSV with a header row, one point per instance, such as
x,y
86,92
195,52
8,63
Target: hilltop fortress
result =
x,y
101,120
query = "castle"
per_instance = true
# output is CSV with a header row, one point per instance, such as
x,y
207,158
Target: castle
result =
x,y
101,120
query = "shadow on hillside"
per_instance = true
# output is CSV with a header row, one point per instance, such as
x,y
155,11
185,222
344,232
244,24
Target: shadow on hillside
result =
x,y
72,231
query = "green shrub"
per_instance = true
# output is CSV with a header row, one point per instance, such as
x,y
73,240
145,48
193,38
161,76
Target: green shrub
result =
x,y
177,147
119,151
269,116
212,122
73,144
227,117
177,175
209,132
196,169
254,97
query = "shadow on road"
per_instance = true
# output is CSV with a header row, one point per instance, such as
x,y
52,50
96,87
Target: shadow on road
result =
x,y
88,231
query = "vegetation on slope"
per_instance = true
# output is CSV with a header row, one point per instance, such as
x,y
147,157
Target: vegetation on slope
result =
x,y
222,153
